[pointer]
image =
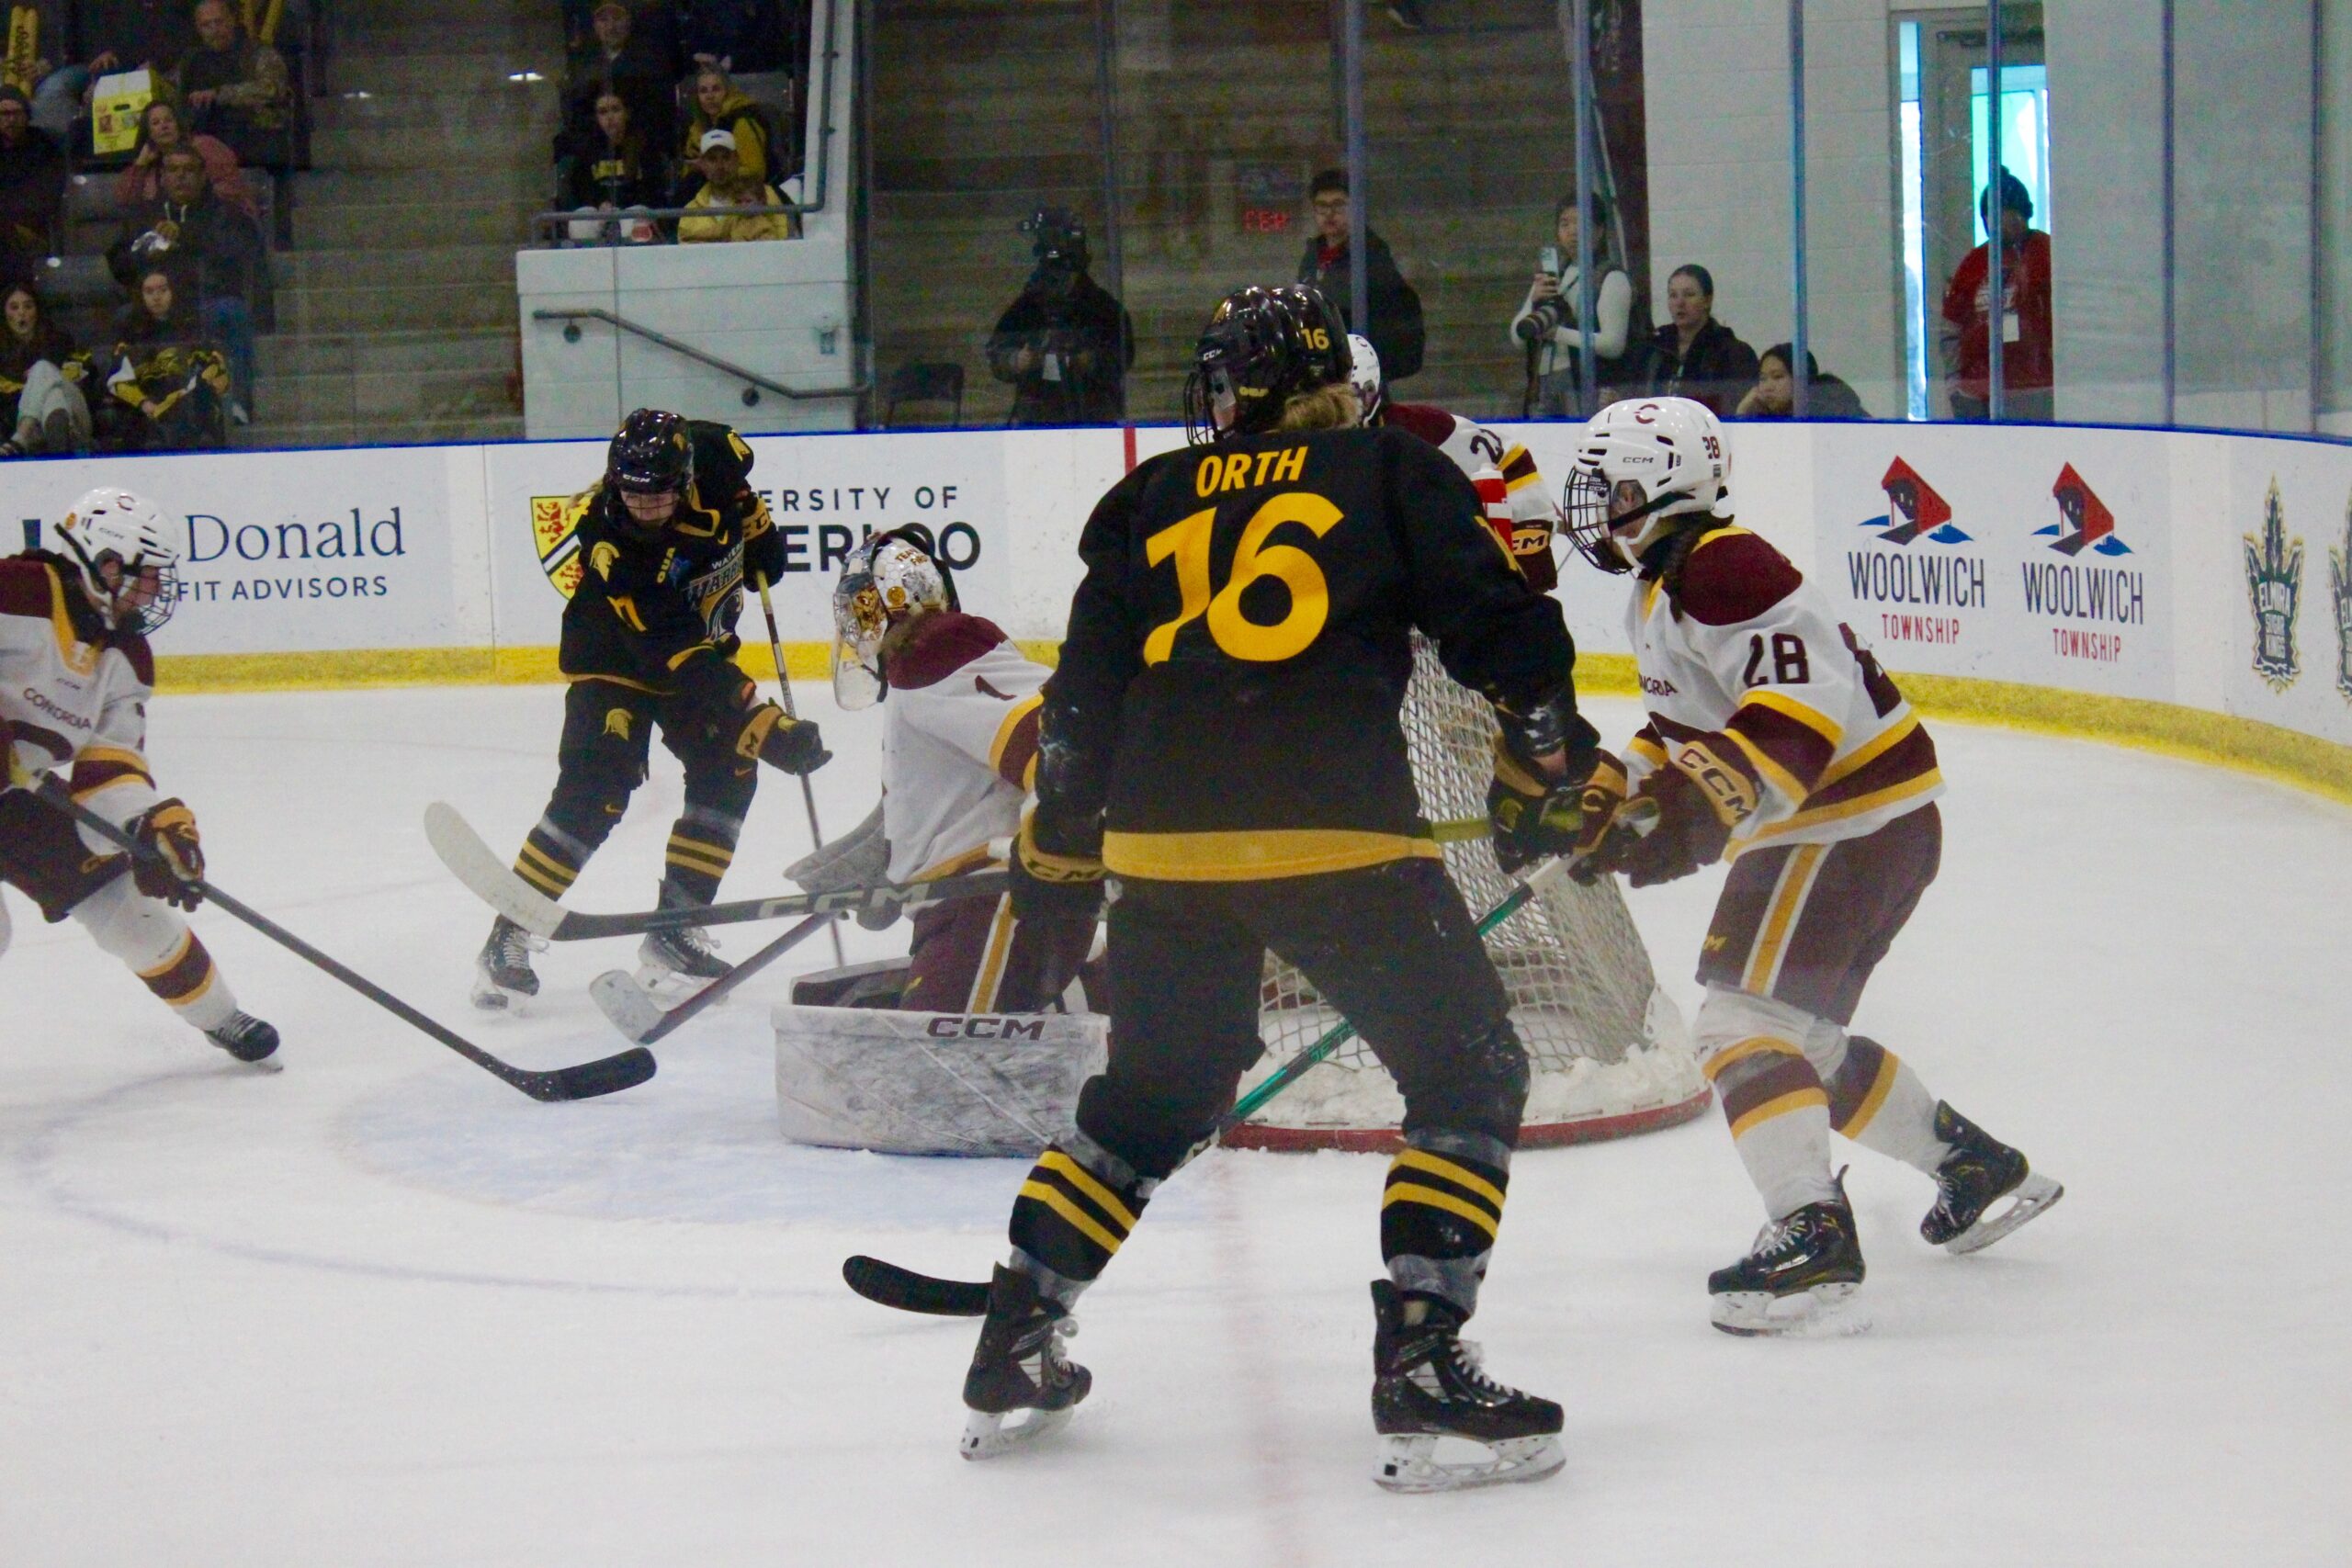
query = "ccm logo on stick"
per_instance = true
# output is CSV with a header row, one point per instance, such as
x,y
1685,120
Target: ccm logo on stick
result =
x,y
986,1026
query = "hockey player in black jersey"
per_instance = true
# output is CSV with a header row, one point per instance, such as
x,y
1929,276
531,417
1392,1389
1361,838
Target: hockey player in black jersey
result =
x,y
1222,736
669,534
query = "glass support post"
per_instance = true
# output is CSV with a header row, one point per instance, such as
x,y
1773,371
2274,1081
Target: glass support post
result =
x,y
1797,208
1996,308
1359,181
1580,22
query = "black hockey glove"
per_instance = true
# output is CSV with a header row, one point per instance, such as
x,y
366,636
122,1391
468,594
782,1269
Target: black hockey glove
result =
x,y
1533,818
792,745
170,860
1058,880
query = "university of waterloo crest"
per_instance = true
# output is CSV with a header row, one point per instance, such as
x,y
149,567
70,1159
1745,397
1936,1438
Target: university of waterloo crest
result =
x,y
2274,578
2339,571
555,520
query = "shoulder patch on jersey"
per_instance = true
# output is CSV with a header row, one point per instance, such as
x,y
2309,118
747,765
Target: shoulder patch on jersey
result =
x,y
24,587
1432,425
1731,575
944,643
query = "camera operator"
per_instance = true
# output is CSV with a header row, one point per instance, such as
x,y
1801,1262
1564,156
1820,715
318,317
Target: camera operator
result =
x,y
1064,343
1546,325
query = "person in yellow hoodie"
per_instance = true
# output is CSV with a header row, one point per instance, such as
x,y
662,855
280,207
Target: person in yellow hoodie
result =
x,y
726,186
720,105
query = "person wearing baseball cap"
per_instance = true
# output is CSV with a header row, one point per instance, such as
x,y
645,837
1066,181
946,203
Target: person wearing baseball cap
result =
x,y
726,184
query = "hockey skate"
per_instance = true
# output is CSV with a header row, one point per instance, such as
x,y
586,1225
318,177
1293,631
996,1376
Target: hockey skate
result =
x,y
502,977
1979,1172
246,1038
672,962
1019,1366
1426,1384
1800,1277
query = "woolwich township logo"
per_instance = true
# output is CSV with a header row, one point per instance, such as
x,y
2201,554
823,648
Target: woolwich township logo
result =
x,y
2339,573
2274,579
1921,509
555,520
2084,523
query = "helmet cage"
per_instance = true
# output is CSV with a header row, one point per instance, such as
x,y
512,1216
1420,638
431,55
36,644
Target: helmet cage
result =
x,y
889,577
117,544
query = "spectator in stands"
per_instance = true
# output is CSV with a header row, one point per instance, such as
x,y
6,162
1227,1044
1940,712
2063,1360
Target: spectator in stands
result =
x,y
609,172
104,36
726,186
1695,355
237,88
41,377
215,249
1774,395
734,35
1395,328
633,63
720,105
1546,329
32,184
167,370
1064,343
2025,330
159,131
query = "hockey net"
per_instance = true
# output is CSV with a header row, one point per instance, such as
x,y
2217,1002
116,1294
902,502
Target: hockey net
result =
x,y
1607,1049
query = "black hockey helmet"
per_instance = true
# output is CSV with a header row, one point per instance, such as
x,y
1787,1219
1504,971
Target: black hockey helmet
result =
x,y
652,456
1263,347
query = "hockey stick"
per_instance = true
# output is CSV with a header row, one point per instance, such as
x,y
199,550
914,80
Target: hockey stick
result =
x,y
492,881
904,1289
585,1081
783,691
638,1017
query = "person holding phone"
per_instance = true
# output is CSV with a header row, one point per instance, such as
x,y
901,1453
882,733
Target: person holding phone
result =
x,y
1547,327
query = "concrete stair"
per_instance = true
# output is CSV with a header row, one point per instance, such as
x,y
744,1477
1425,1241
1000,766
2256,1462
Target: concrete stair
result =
x,y
396,315
986,109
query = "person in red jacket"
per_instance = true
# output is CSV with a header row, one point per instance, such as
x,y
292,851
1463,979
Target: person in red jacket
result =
x,y
2024,315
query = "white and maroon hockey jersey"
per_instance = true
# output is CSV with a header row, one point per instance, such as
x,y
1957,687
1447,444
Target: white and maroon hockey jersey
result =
x,y
74,696
1524,515
959,744
1758,691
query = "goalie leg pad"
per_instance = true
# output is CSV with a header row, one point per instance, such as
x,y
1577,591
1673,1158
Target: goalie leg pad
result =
x,y
157,946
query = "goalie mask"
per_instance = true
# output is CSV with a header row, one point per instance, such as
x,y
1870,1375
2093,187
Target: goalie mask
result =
x,y
128,558
885,581
1641,464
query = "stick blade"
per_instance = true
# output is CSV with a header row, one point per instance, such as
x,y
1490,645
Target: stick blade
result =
x,y
892,1286
590,1080
625,1005
486,876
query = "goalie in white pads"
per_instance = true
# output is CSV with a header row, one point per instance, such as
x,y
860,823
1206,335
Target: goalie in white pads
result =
x,y
959,749
76,677
1775,738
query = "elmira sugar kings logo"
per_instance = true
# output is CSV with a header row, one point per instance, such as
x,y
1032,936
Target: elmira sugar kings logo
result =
x,y
2274,577
2339,573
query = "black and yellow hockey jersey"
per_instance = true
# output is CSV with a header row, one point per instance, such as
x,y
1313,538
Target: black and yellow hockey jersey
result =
x,y
660,614
1229,690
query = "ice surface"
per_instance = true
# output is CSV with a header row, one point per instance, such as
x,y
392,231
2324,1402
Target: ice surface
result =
x,y
380,1309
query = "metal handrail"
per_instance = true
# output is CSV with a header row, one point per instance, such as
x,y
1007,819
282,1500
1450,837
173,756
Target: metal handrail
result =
x,y
551,217
572,318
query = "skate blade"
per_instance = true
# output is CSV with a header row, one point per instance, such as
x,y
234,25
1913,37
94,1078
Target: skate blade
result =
x,y
1824,1312
2028,1197
266,1065
1410,1464
985,1436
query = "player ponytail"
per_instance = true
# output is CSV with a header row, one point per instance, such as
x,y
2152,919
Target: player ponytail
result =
x,y
1331,407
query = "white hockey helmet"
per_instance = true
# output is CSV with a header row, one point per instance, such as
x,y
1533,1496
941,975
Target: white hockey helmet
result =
x,y
128,558
885,581
1365,377
1639,464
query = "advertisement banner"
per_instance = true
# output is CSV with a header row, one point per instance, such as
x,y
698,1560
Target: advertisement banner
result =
x,y
827,494
293,551
2048,565
2290,524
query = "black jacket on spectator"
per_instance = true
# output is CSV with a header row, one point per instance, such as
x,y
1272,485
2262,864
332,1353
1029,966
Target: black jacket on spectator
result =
x,y
748,32
595,172
641,76
170,362
1718,370
215,245
1069,315
254,124
139,32
32,193
1395,328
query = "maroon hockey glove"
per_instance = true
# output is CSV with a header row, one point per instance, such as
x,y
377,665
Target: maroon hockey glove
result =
x,y
170,861
1689,834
